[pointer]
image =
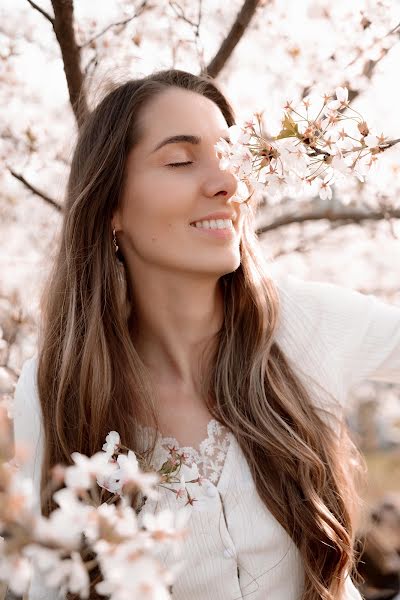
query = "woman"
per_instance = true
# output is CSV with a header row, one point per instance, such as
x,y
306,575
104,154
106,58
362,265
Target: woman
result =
x,y
159,326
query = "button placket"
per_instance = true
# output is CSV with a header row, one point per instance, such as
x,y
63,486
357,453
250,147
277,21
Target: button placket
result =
x,y
210,489
229,553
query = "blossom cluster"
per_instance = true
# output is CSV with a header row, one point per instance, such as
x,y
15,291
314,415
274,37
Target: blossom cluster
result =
x,y
61,547
310,152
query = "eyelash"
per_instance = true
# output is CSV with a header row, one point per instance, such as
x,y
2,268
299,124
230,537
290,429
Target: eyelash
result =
x,y
182,164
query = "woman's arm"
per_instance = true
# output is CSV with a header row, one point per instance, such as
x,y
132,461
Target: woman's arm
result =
x,y
28,424
356,335
28,434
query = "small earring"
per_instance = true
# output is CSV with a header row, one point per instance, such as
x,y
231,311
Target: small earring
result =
x,y
115,241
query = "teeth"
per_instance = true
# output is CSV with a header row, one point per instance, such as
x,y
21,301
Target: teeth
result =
x,y
214,224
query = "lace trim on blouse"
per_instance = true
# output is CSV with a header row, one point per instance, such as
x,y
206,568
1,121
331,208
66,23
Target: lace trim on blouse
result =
x,y
209,458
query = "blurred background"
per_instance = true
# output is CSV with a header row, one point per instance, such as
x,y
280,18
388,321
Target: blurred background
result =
x,y
263,53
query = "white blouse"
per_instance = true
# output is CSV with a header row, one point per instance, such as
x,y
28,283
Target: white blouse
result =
x,y
333,337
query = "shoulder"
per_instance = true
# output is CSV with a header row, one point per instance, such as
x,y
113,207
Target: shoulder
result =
x,y
26,399
27,423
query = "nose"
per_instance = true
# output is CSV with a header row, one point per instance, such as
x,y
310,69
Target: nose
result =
x,y
219,182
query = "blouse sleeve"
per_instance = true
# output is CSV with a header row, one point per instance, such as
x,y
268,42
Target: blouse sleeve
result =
x,y
359,334
27,424
28,434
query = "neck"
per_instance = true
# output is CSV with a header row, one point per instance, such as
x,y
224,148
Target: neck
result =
x,y
176,318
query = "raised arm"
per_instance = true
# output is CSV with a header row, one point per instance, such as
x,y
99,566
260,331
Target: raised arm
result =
x,y
352,336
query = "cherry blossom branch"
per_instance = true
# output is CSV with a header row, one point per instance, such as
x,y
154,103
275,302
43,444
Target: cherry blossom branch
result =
x,y
75,538
304,245
178,10
309,153
234,36
35,190
346,217
384,146
370,65
368,68
121,24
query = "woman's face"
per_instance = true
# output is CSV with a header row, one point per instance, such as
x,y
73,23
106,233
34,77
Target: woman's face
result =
x,y
160,202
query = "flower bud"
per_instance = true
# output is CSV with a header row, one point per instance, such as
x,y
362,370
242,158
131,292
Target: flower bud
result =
x,y
363,128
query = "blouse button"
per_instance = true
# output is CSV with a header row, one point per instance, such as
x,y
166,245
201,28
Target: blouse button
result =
x,y
229,553
210,489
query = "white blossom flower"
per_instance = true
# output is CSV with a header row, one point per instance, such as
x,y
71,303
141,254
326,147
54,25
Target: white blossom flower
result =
x,y
65,525
44,558
112,443
236,158
189,472
129,474
275,188
20,495
345,144
70,575
371,141
222,146
84,473
109,482
16,571
342,95
168,526
125,579
121,519
324,187
237,135
165,520
340,166
293,155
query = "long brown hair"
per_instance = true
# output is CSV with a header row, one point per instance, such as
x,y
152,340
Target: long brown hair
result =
x,y
91,379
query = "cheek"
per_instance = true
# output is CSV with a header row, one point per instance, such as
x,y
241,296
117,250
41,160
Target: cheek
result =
x,y
160,196
155,210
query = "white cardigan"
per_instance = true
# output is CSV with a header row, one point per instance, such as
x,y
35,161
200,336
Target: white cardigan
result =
x,y
334,337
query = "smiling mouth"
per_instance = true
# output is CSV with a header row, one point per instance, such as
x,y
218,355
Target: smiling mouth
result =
x,y
214,224
227,232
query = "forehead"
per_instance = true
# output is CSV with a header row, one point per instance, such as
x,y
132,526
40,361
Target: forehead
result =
x,y
177,111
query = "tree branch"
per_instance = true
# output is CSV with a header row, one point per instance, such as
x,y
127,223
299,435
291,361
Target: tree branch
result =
x,y
64,29
180,13
370,65
233,38
42,12
122,24
35,190
345,216
307,244
368,68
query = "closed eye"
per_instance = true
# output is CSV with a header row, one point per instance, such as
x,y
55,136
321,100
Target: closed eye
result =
x,y
182,164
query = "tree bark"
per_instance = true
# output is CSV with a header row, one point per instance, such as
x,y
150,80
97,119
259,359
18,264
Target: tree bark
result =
x,y
233,38
64,29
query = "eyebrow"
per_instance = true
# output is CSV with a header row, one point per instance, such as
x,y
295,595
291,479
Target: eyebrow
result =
x,y
176,139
